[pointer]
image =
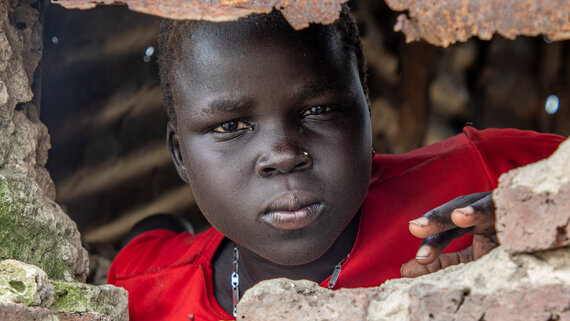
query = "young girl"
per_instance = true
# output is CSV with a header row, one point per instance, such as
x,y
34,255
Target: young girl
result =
x,y
270,127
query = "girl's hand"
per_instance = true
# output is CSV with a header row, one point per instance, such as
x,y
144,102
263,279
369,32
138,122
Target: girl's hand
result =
x,y
474,213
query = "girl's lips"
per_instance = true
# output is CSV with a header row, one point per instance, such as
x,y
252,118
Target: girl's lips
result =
x,y
293,219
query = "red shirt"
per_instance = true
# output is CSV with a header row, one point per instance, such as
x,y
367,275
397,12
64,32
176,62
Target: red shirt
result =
x,y
169,276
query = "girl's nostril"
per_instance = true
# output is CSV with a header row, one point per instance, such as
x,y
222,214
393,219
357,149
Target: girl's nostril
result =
x,y
302,164
284,162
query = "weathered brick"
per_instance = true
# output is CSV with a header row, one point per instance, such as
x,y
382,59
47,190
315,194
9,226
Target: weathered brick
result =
x,y
533,204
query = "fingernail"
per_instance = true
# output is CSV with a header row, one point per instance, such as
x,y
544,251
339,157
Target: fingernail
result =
x,y
402,270
421,222
423,252
467,211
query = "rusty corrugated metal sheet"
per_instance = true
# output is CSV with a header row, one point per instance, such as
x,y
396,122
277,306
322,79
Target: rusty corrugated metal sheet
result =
x,y
444,22
299,13
439,22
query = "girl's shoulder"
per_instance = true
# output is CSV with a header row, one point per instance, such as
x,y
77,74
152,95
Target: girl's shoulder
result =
x,y
158,250
495,149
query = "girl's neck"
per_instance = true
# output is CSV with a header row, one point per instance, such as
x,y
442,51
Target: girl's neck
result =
x,y
253,268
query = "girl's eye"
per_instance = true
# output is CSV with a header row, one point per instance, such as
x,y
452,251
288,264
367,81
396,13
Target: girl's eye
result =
x,y
316,110
232,126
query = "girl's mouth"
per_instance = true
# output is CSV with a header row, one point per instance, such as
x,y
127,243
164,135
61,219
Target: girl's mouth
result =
x,y
293,219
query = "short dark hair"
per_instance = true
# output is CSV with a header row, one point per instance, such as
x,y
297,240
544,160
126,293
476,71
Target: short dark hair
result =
x,y
173,31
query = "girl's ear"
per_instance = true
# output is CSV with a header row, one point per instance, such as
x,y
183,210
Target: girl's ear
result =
x,y
174,149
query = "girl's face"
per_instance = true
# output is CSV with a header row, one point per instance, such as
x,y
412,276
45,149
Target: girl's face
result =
x,y
273,133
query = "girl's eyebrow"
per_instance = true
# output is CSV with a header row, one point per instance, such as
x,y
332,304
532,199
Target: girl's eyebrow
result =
x,y
235,105
316,88
228,105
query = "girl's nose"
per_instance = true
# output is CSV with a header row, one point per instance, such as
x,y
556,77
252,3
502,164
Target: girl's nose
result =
x,y
283,158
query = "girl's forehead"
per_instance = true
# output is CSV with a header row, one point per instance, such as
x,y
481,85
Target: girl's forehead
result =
x,y
239,60
214,53
242,35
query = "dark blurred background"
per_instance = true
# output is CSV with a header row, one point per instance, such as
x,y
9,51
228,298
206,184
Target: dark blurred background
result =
x,y
101,101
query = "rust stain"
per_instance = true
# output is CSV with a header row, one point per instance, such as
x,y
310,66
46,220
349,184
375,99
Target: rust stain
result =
x,y
299,13
444,22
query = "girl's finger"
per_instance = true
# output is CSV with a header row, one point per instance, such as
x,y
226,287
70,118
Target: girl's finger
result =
x,y
480,216
482,244
431,246
439,219
413,268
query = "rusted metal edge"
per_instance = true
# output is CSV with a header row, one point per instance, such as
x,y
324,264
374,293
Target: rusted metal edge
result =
x,y
444,22
299,13
439,22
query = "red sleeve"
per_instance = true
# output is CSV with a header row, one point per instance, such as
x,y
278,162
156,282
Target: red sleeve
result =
x,y
404,187
501,150
137,255
152,251
169,275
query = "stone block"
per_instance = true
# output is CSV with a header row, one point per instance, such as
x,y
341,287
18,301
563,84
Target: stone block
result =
x,y
544,302
89,316
50,237
33,229
25,283
83,298
533,204
10,311
524,286
547,302
302,300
